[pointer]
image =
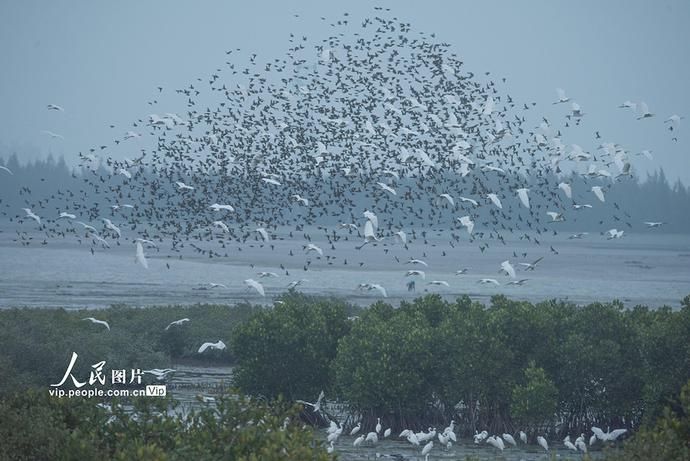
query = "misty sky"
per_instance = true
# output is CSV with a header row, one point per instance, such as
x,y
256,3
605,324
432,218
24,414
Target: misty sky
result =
x,y
102,61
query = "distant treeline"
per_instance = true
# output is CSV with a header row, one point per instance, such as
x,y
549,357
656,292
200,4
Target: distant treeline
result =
x,y
628,201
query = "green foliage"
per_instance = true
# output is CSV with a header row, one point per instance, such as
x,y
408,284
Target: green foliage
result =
x,y
535,401
38,427
288,350
37,343
667,440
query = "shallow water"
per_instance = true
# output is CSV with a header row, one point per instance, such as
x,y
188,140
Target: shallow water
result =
x,y
650,268
189,381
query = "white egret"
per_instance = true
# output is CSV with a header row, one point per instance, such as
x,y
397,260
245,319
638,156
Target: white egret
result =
x,y
415,272
300,199
469,200
599,193
4,168
182,186
372,437
64,214
531,266
387,188
644,111
427,448
312,247
417,261
100,322
652,225
55,107
251,283
508,269
487,281
448,198
439,283
523,437
222,226
177,323
565,187
555,217
401,236
30,214
316,406
262,232
561,96
522,195
543,443
358,441
496,201
467,222
140,256
218,207
356,429
219,345
109,225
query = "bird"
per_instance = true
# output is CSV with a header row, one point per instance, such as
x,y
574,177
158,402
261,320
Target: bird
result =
x,y
488,281
644,111
4,168
53,135
358,441
653,225
599,193
182,186
218,345
55,107
496,201
30,214
543,443
219,207
467,222
100,322
522,195
533,265
356,429
251,283
509,439
316,406
177,323
140,256
523,437
508,269
561,96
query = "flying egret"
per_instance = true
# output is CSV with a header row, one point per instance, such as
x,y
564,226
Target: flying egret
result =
x,y
177,323
109,225
262,232
300,199
316,406
565,187
387,188
469,200
100,322
522,195
218,207
415,272
4,168
251,283
55,107
599,193
561,96
417,261
467,222
449,199
401,236
372,218
644,111
487,281
312,247
182,186
64,214
220,345
439,283
32,215
140,257
652,225
555,217
531,266
496,201
508,269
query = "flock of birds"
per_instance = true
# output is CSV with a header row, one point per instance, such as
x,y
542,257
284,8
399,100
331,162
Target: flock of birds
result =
x,y
425,440
373,138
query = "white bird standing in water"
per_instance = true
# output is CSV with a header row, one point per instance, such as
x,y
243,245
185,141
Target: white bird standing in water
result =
x,y
543,443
